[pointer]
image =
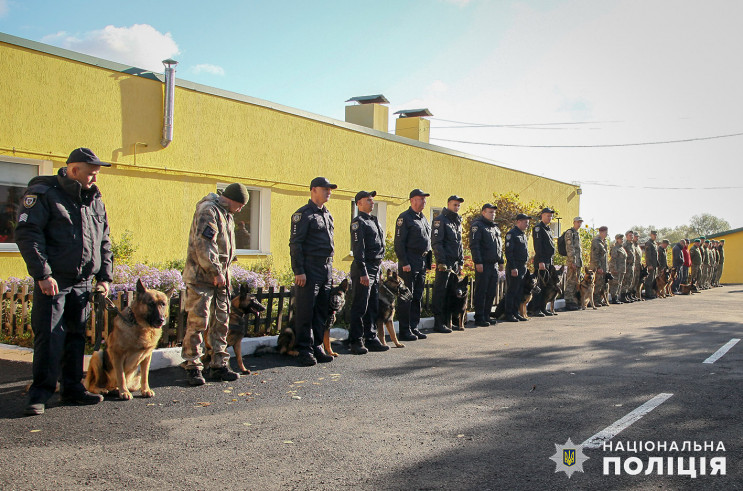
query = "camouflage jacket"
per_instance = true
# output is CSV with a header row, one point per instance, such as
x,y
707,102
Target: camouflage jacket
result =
x,y
572,244
638,256
696,255
211,242
618,261
598,254
629,248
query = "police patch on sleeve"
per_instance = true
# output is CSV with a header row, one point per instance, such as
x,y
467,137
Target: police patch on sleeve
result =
x,y
436,223
23,217
296,217
29,200
208,233
355,226
536,229
508,236
475,229
400,222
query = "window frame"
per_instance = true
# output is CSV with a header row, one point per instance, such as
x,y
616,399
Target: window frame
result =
x,y
45,168
264,224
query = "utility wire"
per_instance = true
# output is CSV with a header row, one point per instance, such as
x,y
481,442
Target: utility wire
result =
x,y
685,140
520,125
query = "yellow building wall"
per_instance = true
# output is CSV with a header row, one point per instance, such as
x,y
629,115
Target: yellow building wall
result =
x,y
732,271
52,105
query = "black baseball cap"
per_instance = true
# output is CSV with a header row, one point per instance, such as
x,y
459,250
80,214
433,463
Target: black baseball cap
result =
x,y
521,216
87,156
546,210
488,205
454,197
417,192
364,194
653,232
321,182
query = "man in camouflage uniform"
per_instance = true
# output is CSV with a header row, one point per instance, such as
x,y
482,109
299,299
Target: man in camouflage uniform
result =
x,y
211,250
651,261
663,255
696,262
627,292
704,272
721,263
575,264
599,264
638,267
618,267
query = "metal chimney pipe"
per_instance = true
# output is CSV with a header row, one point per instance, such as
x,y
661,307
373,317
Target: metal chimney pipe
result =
x,y
169,101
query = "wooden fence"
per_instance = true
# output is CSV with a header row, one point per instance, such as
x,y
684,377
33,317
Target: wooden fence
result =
x,y
17,302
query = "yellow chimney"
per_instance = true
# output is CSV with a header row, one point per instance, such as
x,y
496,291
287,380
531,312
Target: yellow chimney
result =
x,y
412,124
369,112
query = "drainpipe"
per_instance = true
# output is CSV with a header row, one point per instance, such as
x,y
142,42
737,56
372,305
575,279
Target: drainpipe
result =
x,y
168,106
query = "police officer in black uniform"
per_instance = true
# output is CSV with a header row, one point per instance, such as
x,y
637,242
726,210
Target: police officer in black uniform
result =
x,y
517,255
446,241
413,250
367,245
487,255
62,234
544,251
311,249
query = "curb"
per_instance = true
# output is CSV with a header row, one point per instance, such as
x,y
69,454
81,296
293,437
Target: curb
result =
x,y
171,357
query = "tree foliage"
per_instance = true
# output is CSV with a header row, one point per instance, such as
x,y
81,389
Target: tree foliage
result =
x,y
706,224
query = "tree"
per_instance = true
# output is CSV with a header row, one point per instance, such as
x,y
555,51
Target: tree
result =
x,y
706,224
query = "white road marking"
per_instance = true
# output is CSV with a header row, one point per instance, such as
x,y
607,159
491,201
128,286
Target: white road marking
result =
x,y
14,385
720,352
597,440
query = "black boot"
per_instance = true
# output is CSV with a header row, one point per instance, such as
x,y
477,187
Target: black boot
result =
x,y
357,347
438,324
406,335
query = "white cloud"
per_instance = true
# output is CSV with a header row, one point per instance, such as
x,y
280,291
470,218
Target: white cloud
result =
x,y
140,45
3,8
207,68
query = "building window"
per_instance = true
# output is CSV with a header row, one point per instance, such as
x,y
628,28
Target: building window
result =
x,y
14,176
252,223
435,211
379,210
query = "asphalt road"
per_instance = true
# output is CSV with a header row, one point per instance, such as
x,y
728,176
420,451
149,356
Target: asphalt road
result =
x,y
480,409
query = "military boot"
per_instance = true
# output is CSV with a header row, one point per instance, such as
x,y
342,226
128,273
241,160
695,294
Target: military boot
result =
x,y
438,324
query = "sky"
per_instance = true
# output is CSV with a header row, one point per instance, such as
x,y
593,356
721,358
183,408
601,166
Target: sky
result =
x,y
508,81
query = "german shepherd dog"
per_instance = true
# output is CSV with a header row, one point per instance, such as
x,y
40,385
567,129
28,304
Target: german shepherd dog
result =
x,y
137,330
640,282
671,280
549,283
390,288
530,288
661,282
689,288
585,289
605,294
457,296
241,305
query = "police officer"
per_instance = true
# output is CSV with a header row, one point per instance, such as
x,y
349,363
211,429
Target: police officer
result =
x,y
517,255
311,249
413,250
211,250
651,261
62,234
446,242
367,245
544,251
487,255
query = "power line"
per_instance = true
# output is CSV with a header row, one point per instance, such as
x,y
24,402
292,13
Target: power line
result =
x,y
519,125
685,140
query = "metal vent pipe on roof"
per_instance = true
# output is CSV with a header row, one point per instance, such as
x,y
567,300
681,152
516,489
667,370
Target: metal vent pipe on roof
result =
x,y
169,102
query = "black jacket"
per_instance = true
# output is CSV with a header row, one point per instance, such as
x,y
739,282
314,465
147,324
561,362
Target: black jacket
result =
x,y
63,230
412,236
485,242
446,239
517,250
651,253
678,256
367,241
544,244
311,235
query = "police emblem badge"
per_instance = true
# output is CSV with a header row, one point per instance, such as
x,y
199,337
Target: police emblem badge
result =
x,y
568,456
296,217
355,226
400,222
475,229
436,223
29,200
508,236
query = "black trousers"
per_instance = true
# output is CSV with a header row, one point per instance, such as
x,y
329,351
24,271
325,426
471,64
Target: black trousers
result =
x,y
486,286
515,288
439,298
539,300
409,313
312,303
59,324
365,303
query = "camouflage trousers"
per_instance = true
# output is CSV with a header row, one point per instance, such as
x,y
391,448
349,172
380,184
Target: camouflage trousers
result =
x,y
649,282
207,307
615,285
599,288
637,282
571,286
718,274
628,282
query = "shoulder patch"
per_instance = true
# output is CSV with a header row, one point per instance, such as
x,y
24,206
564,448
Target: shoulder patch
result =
x,y
475,228
536,229
400,221
508,236
296,217
436,223
208,233
29,200
23,217
355,226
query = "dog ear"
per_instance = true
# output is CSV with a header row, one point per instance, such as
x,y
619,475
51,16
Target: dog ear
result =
x,y
244,289
140,286
344,285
